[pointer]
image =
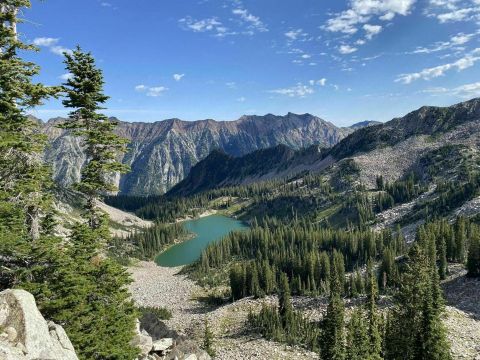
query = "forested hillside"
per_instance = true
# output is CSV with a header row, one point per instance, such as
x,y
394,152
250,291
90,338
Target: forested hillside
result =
x,y
348,243
344,232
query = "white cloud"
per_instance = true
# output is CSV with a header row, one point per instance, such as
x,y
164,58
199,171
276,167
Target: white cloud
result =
x,y
106,4
321,82
306,56
346,49
178,77
297,35
361,11
464,91
66,76
52,45
231,85
293,34
457,15
253,22
241,99
60,50
430,73
446,11
454,41
298,91
371,30
345,22
205,25
44,41
154,91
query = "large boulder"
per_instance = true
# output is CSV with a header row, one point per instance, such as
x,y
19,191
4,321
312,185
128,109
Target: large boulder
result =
x,y
142,340
26,335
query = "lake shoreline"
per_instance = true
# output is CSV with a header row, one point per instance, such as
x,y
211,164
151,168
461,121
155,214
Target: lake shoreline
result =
x,y
202,215
208,228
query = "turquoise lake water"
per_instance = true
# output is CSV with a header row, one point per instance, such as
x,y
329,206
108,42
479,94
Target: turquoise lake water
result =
x,y
206,230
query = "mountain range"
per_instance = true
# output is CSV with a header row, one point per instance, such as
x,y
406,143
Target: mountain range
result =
x,y
162,153
393,150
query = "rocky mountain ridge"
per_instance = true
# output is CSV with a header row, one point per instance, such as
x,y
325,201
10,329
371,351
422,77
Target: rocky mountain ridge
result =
x,y
162,153
392,149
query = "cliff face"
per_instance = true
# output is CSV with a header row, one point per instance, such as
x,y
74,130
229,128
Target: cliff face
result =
x,y
26,335
162,153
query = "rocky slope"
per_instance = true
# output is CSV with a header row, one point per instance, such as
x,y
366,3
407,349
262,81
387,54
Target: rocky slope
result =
x,y
220,169
162,153
168,287
392,149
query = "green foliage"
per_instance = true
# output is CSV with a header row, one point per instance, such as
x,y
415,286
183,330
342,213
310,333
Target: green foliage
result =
x,y
374,334
208,340
399,192
357,337
148,243
332,340
87,293
415,329
306,252
473,261
162,313
84,93
23,177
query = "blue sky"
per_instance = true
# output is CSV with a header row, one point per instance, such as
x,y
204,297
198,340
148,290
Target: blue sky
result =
x,y
345,61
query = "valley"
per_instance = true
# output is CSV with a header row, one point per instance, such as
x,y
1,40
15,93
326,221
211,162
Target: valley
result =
x,y
264,237
291,211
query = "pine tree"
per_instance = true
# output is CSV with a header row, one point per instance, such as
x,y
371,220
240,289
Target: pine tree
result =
x,y
84,93
208,339
374,334
285,308
460,234
103,282
23,176
332,340
357,337
473,262
415,329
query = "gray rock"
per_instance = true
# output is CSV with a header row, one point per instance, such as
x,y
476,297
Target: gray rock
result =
x,y
162,153
27,335
142,340
162,345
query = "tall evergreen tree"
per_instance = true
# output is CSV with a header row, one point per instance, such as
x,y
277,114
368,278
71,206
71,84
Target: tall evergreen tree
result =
x,y
415,329
332,339
23,176
104,282
373,323
285,308
473,262
460,239
357,337
84,93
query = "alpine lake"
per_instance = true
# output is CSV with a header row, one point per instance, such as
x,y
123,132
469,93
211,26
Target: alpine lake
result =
x,y
206,230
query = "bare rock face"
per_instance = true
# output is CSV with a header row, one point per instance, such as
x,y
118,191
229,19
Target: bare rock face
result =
x,y
26,335
161,154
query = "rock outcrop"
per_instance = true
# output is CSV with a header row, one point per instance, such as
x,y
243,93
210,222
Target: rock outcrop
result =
x,y
157,341
26,335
